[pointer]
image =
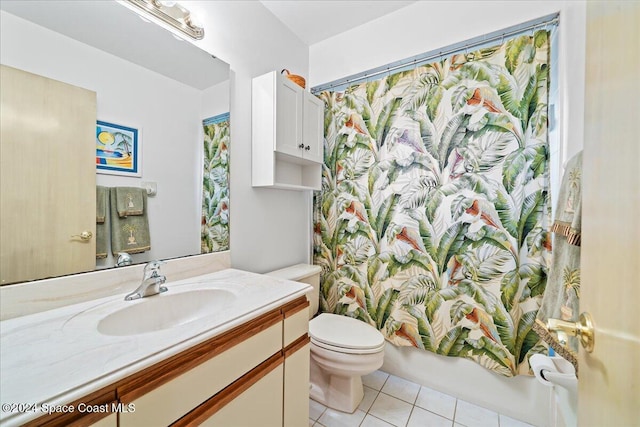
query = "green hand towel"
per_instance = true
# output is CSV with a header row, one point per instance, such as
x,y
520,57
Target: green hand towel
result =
x,y
131,233
102,221
130,201
102,201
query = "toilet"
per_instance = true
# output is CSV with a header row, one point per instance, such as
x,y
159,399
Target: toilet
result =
x,y
343,349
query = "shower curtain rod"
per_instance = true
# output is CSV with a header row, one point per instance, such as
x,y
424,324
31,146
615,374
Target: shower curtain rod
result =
x,y
543,22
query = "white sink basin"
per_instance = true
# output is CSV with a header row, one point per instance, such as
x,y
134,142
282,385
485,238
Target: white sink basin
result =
x,y
164,311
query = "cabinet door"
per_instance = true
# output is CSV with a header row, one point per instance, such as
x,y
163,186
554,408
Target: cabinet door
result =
x,y
258,406
288,117
296,387
313,128
110,421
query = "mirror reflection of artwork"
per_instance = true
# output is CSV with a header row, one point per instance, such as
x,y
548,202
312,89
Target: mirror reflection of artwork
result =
x,y
215,188
117,149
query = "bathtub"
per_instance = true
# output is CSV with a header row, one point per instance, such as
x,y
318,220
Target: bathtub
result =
x,y
522,397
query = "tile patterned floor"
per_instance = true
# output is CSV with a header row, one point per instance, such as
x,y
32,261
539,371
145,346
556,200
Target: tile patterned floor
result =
x,y
392,401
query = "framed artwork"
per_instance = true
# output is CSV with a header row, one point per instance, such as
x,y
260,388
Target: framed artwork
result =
x,y
117,149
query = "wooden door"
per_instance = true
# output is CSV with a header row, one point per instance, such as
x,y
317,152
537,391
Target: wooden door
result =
x,y
47,167
609,384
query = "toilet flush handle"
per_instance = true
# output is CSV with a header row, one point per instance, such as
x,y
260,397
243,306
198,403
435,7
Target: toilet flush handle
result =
x,y
583,329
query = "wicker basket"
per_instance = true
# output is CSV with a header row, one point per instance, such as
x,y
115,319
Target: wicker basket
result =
x,y
299,80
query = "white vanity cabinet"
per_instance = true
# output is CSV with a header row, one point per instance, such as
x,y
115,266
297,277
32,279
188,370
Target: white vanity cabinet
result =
x,y
256,374
287,129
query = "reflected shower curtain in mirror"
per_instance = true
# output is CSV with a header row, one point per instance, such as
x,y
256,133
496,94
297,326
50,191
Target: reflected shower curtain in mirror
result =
x,y
215,185
433,220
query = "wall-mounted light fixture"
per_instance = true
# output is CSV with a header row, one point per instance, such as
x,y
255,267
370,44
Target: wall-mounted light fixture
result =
x,y
168,12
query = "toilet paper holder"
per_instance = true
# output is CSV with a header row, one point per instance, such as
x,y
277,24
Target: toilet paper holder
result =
x,y
583,329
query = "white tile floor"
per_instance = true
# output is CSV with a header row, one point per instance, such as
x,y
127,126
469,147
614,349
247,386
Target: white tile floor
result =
x,y
392,401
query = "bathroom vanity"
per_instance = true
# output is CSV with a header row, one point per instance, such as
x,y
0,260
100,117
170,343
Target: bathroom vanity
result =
x,y
201,353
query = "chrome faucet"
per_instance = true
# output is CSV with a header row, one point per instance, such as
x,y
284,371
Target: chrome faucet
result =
x,y
152,282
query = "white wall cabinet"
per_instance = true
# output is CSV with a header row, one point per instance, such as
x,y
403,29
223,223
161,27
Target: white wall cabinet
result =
x,y
287,129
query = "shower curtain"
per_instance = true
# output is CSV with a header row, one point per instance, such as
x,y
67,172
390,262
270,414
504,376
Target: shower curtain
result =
x,y
433,220
214,234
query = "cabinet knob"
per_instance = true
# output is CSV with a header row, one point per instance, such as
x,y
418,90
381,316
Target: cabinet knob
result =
x,y
308,147
301,145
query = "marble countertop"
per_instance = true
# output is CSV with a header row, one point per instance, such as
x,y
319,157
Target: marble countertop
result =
x,y
57,356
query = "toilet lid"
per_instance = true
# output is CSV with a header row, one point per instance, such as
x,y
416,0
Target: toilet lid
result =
x,y
344,334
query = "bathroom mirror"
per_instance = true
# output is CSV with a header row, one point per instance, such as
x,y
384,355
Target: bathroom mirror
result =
x,y
144,78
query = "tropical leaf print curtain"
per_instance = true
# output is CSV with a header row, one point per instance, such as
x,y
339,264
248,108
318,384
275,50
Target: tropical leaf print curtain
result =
x,y
432,223
215,185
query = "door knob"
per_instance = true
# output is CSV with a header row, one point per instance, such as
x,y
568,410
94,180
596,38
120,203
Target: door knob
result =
x,y
300,145
582,329
85,236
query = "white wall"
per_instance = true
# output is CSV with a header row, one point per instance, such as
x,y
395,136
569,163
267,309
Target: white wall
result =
x,y
429,25
269,228
166,112
215,100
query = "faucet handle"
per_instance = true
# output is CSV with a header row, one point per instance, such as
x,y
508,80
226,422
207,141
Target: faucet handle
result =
x,y
123,259
152,268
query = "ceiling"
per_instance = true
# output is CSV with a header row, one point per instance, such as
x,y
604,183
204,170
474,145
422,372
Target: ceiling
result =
x,y
316,20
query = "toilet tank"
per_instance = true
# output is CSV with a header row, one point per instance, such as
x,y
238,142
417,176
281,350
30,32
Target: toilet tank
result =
x,y
304,273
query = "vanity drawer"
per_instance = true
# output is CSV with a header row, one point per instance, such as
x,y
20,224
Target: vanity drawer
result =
x,y
296,321
167,402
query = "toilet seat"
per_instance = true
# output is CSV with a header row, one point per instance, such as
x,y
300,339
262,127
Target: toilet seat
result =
x,y
345,335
